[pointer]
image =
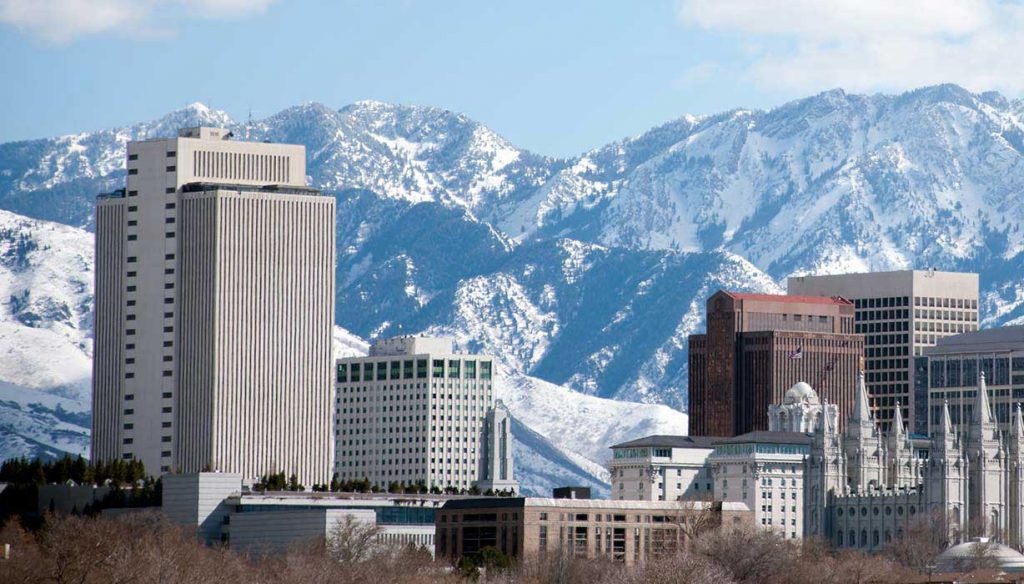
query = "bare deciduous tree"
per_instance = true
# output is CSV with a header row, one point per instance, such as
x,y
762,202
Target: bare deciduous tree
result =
x,y
352,540
926,536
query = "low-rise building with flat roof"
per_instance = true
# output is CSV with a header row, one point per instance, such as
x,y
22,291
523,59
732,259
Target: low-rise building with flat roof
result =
x,y
624,531
222,510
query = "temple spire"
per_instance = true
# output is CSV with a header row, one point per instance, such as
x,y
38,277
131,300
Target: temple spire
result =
x,y
982,413
1018,424
947,422
897,420
861,412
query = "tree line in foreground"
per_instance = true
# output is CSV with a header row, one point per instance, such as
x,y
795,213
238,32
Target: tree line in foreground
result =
x,y
144,547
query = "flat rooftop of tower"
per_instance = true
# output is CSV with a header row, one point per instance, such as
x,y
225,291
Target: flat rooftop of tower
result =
x,y
789,298
201,187
412,345
1006,338
206,133
670,441
895,283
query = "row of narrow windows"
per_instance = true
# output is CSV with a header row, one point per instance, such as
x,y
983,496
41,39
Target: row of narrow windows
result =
x,y
241,166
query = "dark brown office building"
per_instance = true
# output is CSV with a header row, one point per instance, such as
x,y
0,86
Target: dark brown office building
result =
x,y
757,346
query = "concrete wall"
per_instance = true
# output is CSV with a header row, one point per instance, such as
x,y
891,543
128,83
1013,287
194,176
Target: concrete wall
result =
x,y
197,500
274,532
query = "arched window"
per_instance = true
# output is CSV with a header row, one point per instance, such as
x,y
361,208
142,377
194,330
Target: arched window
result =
x,y
888,536
863,538
853,538
839,539
874,538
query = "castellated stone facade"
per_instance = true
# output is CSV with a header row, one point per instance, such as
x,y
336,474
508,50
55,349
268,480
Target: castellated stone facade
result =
x,y
866,487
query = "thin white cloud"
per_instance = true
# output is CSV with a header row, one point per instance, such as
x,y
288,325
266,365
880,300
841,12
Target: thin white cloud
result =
x,y
62,21
867,45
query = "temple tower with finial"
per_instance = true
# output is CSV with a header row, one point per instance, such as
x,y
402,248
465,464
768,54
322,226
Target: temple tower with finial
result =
x,y
863,444
986,465
945,474
1015,472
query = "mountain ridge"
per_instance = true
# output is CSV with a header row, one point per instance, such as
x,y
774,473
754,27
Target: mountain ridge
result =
x,y
590,271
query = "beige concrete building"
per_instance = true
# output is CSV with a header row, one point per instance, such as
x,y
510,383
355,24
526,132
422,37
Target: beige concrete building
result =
x,y
900,314
624,531
662,468
214,310
414,411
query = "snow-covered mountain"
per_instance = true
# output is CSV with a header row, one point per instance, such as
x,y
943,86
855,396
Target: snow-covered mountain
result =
x,y
589,272
46,281
46,277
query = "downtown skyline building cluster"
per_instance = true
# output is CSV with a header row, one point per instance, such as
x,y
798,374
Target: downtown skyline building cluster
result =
x,y
215,308
215,278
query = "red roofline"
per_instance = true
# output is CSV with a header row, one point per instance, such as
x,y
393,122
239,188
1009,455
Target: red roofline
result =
x,y
786,298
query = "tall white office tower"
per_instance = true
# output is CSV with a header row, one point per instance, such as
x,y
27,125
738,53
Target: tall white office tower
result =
x,y
214,310
900,314
414,412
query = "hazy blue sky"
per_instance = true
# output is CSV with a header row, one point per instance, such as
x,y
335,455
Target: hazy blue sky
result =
x,y
554,77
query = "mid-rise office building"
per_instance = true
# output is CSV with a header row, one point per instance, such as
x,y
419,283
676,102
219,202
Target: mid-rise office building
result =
x,y
951,369
757,346
214,310
415,412
900,314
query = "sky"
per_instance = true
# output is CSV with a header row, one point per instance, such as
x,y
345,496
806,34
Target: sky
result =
x,y
555,77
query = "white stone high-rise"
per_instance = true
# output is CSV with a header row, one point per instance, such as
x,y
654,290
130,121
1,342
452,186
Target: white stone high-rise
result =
x,y
214,310
415,412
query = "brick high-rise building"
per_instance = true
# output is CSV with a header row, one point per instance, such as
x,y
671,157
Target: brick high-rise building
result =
x,y
757,346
